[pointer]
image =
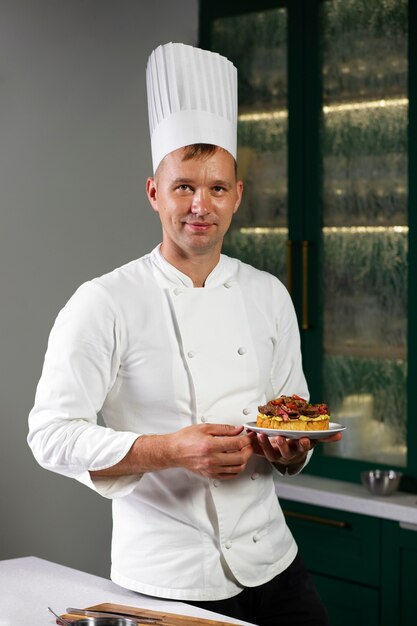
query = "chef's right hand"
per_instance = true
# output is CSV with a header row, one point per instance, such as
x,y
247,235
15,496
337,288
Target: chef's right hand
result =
x,y
211,450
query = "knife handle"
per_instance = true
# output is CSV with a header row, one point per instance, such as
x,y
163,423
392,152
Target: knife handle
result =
x,y
136,619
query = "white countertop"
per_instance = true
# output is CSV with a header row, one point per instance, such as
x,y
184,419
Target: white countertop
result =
x,y
29,585
344,496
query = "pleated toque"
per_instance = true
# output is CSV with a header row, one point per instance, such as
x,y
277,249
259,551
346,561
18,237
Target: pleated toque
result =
x,y
192,98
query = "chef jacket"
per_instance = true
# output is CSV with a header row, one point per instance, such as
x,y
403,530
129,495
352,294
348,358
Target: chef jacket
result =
x,y
150,353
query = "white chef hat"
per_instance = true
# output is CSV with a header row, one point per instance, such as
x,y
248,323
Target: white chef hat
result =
x,y
192,98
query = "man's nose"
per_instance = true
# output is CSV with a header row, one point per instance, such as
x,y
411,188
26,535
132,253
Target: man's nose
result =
x,y
200,204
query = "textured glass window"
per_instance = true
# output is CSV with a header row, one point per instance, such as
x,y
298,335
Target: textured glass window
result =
x,y
257,44
365,234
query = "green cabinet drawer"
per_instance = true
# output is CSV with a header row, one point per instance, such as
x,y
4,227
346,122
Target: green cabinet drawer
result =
x,y
336,543
408,594
347,603
399,579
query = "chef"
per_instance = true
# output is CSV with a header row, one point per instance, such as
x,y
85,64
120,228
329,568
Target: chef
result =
x,y
176,350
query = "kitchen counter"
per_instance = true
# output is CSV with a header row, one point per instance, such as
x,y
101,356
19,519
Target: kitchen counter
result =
x,y
344,496
29,585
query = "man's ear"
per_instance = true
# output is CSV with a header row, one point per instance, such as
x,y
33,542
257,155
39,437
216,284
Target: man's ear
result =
x,y
151,192
239,189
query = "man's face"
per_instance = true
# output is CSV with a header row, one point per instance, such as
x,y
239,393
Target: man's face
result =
x,y
196,200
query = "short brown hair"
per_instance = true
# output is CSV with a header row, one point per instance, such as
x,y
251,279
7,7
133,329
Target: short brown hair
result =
x,y
202,151
198,151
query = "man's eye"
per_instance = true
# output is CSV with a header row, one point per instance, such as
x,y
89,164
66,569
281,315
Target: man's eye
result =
x,y
184,187
218,189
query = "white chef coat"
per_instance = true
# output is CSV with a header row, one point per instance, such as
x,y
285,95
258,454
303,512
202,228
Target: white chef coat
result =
x,y
152,354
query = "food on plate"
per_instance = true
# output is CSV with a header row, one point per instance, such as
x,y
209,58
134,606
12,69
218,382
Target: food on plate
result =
x,y
293,413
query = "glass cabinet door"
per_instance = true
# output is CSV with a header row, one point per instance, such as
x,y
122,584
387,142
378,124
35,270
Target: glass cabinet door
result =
x,y
325,93
365,230
256,42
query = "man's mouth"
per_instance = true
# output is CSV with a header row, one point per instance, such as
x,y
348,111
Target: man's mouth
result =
x,y
200,225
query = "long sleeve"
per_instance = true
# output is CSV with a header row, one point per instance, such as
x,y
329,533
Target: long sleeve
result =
x,y
80,368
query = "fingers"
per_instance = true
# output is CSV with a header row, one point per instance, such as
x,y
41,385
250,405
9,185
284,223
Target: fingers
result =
x,y
266,447
222,430
335,437
283,450
226,465
293,449
214,450
227,438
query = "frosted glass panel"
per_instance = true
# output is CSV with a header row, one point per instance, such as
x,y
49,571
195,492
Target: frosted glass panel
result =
x,y
365,233
257,45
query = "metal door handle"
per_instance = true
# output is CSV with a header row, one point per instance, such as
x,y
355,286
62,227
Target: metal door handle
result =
x,y
289,266
325,521
305,246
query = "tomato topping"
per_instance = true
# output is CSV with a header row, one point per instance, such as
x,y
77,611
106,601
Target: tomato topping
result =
x,y
292,405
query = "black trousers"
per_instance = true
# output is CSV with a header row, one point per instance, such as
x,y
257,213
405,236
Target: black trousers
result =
x,y
289,599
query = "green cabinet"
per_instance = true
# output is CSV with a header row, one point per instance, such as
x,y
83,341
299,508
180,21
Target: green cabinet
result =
x,y
364,567
399,577
336,543
347,603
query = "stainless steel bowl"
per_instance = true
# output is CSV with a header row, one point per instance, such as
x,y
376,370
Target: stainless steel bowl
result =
x,y
103,621
381,482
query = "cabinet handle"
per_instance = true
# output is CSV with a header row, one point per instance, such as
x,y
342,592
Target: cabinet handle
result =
x,y
325,521
289,266
304,322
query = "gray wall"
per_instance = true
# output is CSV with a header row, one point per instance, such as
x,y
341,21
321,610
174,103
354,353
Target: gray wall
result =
x,y
74,156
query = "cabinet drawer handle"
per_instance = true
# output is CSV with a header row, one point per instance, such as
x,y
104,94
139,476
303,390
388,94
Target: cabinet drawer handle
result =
x,y
325,521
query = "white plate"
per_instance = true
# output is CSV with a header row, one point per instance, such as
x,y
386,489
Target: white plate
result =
x,y
297,434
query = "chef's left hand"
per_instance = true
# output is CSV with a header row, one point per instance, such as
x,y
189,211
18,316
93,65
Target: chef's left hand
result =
x,y
287,453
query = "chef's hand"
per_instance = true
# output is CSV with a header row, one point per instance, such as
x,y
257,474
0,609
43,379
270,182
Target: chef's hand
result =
x,y
287,454
211,450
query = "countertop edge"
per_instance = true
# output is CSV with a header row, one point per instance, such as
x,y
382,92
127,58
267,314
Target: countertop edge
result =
x,y
345,496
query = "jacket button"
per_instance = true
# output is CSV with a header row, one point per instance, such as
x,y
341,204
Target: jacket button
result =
x,y
228,545
241,350
203,419
177,291
216,483
246,411
190,354
227,285
256,538
254,476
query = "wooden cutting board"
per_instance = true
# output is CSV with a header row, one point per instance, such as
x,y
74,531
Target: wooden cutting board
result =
x,y
167,619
